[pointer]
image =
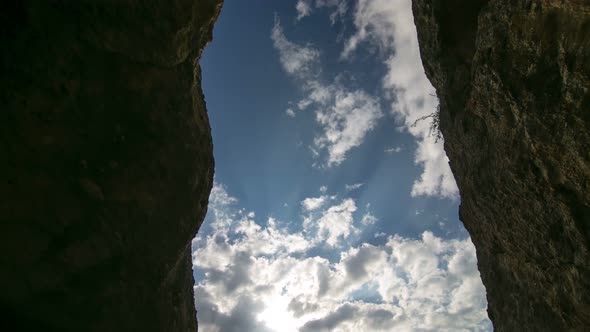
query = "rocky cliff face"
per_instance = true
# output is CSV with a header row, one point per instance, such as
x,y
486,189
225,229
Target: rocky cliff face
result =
x,y
513,77
106,162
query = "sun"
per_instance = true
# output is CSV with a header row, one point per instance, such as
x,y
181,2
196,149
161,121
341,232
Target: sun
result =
x,y
276,314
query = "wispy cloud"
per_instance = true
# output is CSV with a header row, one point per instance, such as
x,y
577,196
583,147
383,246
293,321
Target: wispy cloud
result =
x,y
368,219
296,59
393,150
305,7
352,187
345,116
263,277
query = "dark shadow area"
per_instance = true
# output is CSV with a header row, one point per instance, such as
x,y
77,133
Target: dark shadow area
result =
x,y
107,162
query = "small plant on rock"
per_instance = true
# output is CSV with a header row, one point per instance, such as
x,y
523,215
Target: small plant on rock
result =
x,y
434,130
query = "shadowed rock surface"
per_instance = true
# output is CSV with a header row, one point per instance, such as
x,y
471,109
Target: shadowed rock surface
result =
x,y
106,162
513,81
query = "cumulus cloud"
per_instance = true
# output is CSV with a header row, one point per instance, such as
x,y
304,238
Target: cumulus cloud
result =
x,y
263,277
329,223
328,323
345,116
313,203
242,317
336,222
389,26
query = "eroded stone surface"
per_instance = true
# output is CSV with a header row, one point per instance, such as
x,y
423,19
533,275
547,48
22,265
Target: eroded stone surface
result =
x,y
513,81
107,162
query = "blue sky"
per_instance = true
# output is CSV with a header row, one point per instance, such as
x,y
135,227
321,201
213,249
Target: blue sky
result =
x,y
331,210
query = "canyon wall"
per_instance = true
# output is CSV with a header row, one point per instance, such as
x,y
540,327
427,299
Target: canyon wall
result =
x,y
107,156
513,78
106,162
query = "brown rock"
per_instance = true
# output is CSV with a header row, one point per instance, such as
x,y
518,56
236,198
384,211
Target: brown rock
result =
x,y
513,78
107,162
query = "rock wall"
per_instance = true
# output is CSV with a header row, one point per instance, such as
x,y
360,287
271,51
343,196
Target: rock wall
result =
x,y
513,78
106,162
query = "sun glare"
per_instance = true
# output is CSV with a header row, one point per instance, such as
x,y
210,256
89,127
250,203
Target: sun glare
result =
x,y
276,314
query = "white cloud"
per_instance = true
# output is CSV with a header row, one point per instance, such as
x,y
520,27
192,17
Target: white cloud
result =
x,y
368,219
219,196
263,278
269,240
296,60
351,187
304,8
389,26
437,178
290,112
345,116
330,224
219,201
336,222
313,203
393,150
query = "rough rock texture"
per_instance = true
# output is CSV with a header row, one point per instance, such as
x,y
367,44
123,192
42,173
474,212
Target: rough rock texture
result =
x,y
106,162
513,77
